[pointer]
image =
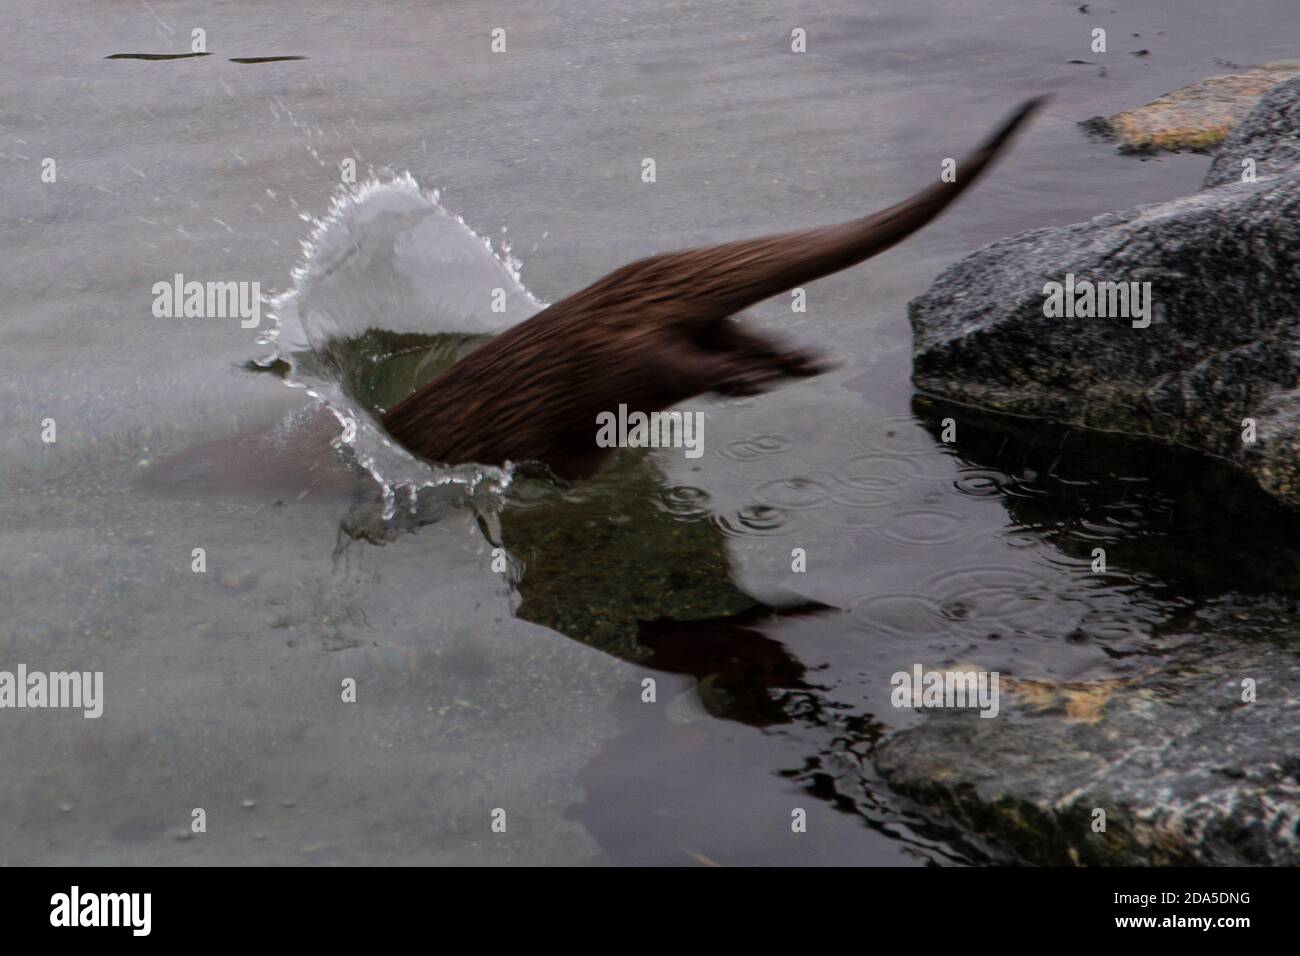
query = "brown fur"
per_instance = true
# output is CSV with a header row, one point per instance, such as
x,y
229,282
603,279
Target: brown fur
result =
x,y
648,335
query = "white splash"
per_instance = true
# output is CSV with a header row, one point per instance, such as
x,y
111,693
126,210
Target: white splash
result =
x,y
388,255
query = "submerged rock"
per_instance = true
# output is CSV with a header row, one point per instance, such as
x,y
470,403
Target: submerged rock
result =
x,y
1185,771
1196,117
1195,340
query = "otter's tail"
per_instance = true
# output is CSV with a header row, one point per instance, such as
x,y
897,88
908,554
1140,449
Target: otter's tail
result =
x,y
703,284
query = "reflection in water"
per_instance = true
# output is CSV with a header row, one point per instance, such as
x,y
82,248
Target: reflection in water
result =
x,y
640,569
617,565
637,568
1172,521
623,562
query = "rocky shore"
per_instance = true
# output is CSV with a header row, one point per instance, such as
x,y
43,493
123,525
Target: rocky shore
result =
x,y
1176,322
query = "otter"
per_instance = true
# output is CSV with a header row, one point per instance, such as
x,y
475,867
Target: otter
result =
x,y
649,335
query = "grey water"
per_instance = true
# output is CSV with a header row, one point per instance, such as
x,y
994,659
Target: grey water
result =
x,y
523,691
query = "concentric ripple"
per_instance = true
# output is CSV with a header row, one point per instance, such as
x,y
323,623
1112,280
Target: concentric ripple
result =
x,y
925,527
795,494
753,521
900,614
755,448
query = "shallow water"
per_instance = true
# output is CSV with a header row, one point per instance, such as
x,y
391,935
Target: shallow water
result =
x,y
479,690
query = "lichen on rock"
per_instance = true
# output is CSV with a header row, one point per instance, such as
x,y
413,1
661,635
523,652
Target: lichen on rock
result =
x,y
1197,117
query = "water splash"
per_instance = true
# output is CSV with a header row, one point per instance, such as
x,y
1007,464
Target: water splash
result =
x,y
392,283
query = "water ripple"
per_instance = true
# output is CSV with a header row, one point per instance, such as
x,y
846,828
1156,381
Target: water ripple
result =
x,y
685,501
899,613
994,595
753,521
755,447
795,494
979,483
925,526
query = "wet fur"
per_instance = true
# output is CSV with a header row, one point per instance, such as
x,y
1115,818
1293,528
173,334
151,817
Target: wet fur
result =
x,y
648,335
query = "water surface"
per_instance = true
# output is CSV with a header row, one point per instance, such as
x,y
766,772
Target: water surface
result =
x,y
479,690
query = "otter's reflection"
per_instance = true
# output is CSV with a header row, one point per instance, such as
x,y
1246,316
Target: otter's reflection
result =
x,y
616,564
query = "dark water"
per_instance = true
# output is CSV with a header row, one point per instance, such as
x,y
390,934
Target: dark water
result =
x,y
523,690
